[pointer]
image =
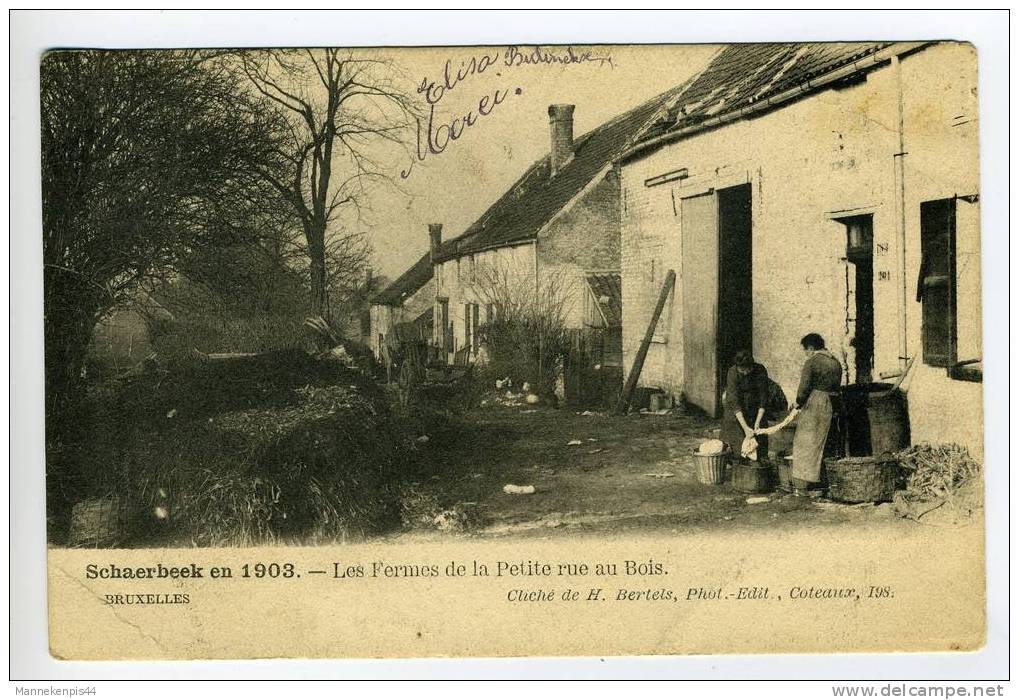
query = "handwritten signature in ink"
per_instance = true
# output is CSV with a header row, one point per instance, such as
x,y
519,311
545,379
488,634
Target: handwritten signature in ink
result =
x,y
433,139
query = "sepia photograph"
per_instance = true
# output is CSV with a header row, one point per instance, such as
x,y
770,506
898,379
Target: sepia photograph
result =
x,y
625,349
273,317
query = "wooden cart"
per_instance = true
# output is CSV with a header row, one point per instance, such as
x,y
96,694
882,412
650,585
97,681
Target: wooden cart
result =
x,y
415,365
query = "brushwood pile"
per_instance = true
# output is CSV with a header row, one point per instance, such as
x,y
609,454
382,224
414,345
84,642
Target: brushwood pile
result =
x,y
274,448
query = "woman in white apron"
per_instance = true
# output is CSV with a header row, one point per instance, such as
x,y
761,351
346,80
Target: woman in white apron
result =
x,y
818,400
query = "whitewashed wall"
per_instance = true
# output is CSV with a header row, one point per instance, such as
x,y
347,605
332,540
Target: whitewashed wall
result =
x,y
826,156
464,280
382,317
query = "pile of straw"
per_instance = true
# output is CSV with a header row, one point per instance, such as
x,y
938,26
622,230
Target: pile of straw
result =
x,y
935,472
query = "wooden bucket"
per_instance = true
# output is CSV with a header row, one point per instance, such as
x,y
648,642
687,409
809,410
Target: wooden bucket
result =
x,y
753,477
785,473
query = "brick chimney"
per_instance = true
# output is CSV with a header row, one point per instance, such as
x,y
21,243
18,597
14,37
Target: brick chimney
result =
x,y
434,239
560,126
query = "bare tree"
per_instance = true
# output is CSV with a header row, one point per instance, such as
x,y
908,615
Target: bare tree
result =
x,y
526,337
338,109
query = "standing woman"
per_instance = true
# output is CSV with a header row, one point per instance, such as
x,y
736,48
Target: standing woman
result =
x,y
744,405
817,401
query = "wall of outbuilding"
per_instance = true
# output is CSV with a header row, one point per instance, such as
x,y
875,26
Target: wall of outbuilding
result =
x,y
825,157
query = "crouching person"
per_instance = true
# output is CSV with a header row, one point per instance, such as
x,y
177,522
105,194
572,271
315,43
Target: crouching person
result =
x,y
744,404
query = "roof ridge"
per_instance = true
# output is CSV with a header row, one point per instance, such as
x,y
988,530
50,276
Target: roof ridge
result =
x,y
414,273
553,191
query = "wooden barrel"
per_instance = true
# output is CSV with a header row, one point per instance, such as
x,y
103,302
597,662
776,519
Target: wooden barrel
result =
x,y
877,419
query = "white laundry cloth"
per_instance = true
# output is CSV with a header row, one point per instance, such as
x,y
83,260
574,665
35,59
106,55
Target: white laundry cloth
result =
x,y
749,448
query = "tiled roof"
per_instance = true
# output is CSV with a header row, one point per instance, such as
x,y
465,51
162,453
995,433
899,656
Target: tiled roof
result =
x,y
743,75
536,197
607,289
406,284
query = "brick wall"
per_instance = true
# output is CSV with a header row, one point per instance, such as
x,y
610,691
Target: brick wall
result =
x,y
584,238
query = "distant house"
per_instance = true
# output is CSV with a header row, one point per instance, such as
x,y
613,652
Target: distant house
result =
x,y
120,341
405,304
828,188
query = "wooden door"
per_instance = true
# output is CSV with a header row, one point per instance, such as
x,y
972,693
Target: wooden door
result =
x,y
700,301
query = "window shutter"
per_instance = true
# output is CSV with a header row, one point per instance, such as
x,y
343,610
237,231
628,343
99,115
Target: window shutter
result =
x,y
936,283
447,326
474,327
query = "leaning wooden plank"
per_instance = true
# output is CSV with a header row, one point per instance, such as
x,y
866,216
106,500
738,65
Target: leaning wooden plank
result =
x,y
623,404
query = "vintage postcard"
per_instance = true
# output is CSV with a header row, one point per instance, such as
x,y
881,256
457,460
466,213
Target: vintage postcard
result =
x,y
513,350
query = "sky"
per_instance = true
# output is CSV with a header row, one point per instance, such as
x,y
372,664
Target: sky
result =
x,y
455,185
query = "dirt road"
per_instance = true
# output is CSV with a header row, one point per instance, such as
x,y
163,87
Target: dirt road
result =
x,y
626,474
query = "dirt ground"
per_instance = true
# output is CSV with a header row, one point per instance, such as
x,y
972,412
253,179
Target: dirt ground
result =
x,y
632,473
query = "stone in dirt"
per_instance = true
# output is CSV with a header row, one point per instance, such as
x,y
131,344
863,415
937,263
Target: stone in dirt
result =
x,y
461,517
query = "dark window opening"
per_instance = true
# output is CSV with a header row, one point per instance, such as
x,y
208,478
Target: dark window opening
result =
x,y
475,309
860,267
471,313
935,289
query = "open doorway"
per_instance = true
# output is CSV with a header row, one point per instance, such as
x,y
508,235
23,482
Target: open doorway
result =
x,y
735,277
860,295
717,283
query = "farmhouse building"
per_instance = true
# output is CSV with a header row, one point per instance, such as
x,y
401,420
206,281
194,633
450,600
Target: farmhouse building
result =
x,y
554,233
120,340
405,305
829,188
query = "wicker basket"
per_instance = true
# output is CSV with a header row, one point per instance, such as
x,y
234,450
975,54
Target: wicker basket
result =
x,y
711,468
862,479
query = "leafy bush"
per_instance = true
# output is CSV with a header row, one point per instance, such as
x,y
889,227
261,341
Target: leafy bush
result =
x,y
326,468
